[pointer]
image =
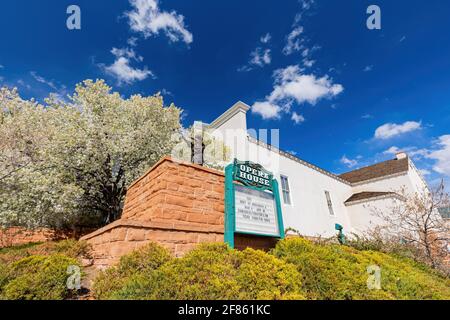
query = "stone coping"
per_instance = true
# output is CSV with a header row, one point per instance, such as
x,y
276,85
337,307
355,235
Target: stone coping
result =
x,y
171,226
179,162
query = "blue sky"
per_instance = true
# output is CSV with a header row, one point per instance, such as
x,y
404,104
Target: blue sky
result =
x,y
343,96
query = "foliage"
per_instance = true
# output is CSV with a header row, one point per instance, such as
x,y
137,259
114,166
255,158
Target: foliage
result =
x,y
142,261
340,272
69,162
200,145
414,219
70,248
213,271
36,278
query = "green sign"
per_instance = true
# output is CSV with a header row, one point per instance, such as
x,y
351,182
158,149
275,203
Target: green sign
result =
x,y
252,202
252,174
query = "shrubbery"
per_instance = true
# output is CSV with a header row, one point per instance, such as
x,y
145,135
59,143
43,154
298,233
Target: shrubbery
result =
x,y
139,263
70,248
39,271
340,272
295,269
36,278
211,271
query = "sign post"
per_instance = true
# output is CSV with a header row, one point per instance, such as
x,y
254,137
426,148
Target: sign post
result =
x,y
252,202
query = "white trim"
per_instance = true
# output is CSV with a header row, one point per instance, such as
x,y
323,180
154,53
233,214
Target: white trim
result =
x,y
386,196
227,115
294,158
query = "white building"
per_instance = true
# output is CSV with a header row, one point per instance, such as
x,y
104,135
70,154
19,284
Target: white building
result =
x,y
313,199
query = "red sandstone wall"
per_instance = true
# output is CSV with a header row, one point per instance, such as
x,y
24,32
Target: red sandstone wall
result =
x,y
18,236
175,204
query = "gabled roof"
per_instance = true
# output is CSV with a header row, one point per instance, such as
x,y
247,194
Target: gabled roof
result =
x,y
368,195
378,170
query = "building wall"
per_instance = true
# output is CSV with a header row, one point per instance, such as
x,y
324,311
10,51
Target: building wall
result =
x,y
363,215
308,212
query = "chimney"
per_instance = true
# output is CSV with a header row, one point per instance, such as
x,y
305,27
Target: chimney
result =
x,y
401,155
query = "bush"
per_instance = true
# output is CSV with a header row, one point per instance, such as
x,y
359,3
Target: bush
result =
x,y
140,262
213,271
340,272
36,278
70,248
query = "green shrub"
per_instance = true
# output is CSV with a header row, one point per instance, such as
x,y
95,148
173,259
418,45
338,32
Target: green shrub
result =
x,y
36,278
340,272
70,248
139,262
263,276
213,271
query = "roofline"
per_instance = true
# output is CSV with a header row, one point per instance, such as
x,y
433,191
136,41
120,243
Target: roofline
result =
x,y
236,108
297,159
374,198
359,183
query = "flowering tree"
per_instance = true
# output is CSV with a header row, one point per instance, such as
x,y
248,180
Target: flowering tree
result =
x,y
68,162
414,219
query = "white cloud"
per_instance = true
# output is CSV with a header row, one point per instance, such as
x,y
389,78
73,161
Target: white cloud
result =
x,y
442,155
402,38
148,19
267,110
132,42
413,152
392,150
368,68
308,63
294,42
23,84
390,130
291,85
349,162
40,79
297,118
126,52
122,70
166,92
306,4
124,73
424,172
366,116
266,38
260,57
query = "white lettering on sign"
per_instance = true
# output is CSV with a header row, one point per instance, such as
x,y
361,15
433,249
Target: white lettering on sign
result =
x,y
254,175
255,212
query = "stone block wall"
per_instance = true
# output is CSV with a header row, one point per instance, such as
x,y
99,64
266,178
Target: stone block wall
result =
x,y
18,236
177,205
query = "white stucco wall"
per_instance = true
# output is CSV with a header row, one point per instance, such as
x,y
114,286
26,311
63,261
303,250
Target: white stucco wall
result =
x,y
308,212
363,215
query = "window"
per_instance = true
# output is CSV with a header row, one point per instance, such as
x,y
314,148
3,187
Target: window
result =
x,y
286,190
330,204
